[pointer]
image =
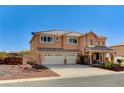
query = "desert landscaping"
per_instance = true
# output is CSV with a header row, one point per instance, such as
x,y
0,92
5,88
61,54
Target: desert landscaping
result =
x,y
8,72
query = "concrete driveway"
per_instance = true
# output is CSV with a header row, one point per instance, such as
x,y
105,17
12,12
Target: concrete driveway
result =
x,y
76,70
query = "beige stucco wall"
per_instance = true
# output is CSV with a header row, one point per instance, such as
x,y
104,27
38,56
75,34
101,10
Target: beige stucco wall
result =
x,y
93,37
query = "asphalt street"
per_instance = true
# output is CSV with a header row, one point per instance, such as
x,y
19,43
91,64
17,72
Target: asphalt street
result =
x,y
116,80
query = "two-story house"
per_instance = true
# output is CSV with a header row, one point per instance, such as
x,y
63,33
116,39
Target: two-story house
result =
x,y
61,47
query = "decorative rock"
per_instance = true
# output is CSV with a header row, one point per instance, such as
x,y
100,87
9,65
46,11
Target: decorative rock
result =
x,y
24,67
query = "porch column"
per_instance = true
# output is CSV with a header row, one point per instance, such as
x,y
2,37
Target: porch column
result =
x,y
65,60
94,56
112,57
90,54
109,56
102,57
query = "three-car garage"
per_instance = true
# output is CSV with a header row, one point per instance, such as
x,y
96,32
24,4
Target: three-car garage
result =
x,y
58,58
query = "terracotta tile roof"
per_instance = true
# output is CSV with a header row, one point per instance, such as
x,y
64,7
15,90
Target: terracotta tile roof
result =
x,y
58,49
65,33
74,34
99,48
61,32
98,36
55,32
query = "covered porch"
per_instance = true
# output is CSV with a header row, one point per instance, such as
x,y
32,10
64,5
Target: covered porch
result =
x,y
100,54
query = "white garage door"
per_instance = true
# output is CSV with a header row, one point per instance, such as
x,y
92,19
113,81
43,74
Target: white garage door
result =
x,y
71,59
52,59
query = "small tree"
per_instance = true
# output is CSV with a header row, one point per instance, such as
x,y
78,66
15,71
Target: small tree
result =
x,y
108,64
122,63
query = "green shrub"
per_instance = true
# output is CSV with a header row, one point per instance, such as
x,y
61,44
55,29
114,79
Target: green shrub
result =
x,y
108,64
122,64
120,60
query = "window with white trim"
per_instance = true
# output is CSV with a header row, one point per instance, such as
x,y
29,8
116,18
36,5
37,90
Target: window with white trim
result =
x,y
100,43
57,38
45,38
90,43
103,43
71,40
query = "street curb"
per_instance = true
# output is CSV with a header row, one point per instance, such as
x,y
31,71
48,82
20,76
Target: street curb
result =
x,y
38,79
28,80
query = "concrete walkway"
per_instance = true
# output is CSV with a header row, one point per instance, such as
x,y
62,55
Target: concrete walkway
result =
x,y
76,70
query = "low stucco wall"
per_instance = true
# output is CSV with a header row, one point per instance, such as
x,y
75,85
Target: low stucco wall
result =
x,y
116,58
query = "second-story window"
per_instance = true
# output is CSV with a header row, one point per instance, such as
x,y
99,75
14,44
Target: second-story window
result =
x,y
50,39
57,38
100,43
71,40
90,42
45,38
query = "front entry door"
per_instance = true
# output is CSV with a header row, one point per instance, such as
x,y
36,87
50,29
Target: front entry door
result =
x,y
97,56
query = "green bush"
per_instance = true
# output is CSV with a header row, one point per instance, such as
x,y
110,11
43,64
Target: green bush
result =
x,y
120,60
122,64
108,64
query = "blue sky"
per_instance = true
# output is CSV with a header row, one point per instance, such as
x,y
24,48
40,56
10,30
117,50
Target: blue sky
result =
x,y
17,22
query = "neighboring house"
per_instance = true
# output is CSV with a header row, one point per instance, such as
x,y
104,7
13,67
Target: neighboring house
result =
x,y
61,47
119,49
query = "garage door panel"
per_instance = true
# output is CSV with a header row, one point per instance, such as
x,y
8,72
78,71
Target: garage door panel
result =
x,y
53,60
71,59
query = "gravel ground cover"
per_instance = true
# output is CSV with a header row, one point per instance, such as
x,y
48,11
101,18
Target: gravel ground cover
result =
x,y
8,72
